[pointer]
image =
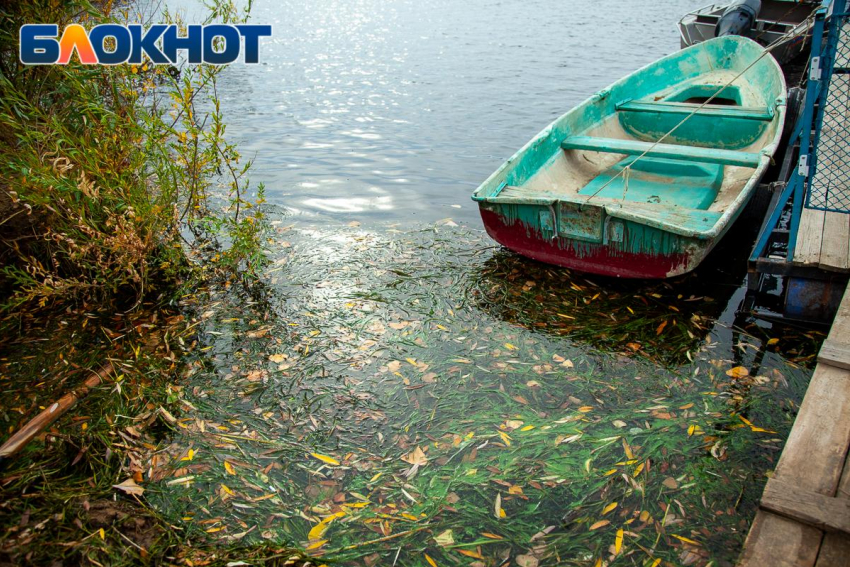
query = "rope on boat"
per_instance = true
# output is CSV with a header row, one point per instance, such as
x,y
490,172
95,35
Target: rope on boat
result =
x,y
627,170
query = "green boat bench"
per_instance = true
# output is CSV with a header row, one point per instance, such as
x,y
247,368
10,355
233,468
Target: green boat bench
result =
x,y
668,151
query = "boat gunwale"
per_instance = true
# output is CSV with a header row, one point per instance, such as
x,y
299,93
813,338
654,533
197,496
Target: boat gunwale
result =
x,y
732,209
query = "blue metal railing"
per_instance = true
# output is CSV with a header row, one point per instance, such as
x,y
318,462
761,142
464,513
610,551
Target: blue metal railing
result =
x,y
822,139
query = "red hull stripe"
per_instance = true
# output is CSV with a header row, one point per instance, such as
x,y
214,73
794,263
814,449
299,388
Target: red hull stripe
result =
x,y
594,258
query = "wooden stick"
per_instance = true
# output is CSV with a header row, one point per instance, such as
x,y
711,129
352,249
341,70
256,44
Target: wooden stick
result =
x,y
40,422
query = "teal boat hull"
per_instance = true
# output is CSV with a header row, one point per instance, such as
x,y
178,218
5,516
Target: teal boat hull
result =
x,y
596,191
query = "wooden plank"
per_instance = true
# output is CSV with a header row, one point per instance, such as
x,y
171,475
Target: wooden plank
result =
x,y
813,459
836,355
809,238
669,151
835,548
835,248
779,542
814,454
761,113
825,513
835,350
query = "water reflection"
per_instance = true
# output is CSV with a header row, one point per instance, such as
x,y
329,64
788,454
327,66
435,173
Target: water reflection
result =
x,y
442,90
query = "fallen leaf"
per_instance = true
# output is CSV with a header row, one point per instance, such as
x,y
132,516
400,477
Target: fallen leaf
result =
x,y
416,457
599,524
738,372
229,468
445,539
318,530
618,542
608,508
325,459
430,561
278,358
684,539
468,553
670,483
526,561
129,486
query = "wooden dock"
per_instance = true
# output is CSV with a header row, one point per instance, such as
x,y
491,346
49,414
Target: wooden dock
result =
x,y
823,239
804,515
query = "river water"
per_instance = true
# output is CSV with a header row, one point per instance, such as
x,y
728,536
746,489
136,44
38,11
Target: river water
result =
x,y
395,110
407,393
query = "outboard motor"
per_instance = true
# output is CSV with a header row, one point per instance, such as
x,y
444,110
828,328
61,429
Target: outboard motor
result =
x,y
738,19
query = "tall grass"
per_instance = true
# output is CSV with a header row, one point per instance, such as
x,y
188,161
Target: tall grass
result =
x,y
115,181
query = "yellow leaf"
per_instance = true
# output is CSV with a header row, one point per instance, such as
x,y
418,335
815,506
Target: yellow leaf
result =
x,y
216,529
527,428
599,524
585,409
505,438
515,490
410,517
656,562
618,542
316,544
627,449
738,372
277,358
772,341
687,406
318,530
638,470
325,459
608,508
229,468
226,490
411,361
468,553
491,536
376,477
609,473
189,456
684,539
102,534
430,561
509,346
416,457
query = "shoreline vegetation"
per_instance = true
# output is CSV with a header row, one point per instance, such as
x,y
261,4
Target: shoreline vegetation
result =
x,y
120,198
410,397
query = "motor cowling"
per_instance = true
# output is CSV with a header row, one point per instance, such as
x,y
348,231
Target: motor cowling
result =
x,y
738,18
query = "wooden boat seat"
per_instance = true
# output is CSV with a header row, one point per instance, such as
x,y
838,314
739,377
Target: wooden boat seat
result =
x,y
668,151
760,113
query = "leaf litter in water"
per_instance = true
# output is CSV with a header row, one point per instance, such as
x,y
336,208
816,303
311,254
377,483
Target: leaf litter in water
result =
x,y
427,400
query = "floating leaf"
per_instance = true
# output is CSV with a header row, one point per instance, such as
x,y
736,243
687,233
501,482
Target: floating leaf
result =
x,y
325,459
685,539
318,530
416,457
738,372
445,539
129,486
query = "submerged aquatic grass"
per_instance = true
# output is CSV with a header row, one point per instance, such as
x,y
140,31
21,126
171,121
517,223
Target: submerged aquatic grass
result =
x,y
421,398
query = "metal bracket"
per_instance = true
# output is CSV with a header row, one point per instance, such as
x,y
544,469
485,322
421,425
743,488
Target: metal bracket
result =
x,y
816,72
803,166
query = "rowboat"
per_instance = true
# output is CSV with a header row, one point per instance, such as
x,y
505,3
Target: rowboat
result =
x,y
642,179
785,23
